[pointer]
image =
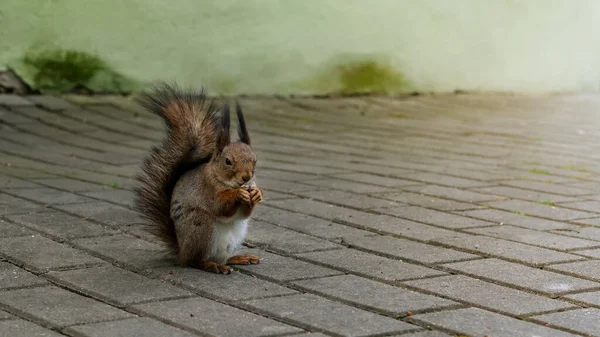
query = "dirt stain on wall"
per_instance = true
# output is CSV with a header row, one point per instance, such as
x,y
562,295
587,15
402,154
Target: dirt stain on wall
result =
x,y
63,69
349,75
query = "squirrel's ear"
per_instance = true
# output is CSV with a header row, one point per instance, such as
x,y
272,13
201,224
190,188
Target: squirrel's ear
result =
x,y
223,137
242,131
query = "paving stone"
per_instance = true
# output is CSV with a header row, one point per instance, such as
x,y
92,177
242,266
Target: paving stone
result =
x,y
349,199
278,196
375,180
373,295
520,276
438,218
595,253
409,250
269,236
488,295
8,229
593,185
233,287
15,118
127,170
440,179
14,100
549,188
41,254
71,185
51,102
584,269
305,223
139,326
509,218
5,315
591,298
283,175
282,268
117,286
38,114
56,120
126,116
552,176
518,193
22,328
541,210
348,186
415,199
384,223
102,134
302,168
283,186
372,168
23,173
52,305
12,276
579,320
478,322
585,185
533,237
330,212
12,183
452,193
315,312
209,317
48,196
591,222
369,265
100,120
426,334
509,250
143,233
61,225
590,206
12,205
128,250
421,232
84,99
104,212
63,137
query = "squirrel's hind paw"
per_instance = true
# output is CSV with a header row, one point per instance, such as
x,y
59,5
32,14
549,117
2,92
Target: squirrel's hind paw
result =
x,y
216,268
243,260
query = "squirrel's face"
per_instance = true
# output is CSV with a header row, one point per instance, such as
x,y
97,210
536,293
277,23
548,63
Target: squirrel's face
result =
x,y
236,163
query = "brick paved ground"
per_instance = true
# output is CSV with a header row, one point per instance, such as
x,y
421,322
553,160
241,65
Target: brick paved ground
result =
x,y
420,217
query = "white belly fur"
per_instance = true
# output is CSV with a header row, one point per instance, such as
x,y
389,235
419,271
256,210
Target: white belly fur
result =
x,y
227,237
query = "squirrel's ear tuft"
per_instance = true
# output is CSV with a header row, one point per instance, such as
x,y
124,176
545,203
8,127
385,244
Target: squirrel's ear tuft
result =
x,y
223,136
242,131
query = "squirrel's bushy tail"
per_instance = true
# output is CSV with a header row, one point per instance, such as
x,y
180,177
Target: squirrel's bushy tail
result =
x,y
192,125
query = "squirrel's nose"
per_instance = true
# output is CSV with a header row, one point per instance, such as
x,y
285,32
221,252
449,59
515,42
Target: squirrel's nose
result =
x,y
246,178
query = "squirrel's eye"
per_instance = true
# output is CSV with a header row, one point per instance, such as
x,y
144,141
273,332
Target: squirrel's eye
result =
x,y
227,161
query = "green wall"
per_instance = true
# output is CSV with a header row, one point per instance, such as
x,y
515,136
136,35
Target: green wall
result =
x,y
284,46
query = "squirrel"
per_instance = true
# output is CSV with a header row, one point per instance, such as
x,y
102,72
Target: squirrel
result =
x,y
197,189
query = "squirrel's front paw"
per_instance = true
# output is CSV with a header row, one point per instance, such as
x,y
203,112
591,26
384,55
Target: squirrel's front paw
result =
x,y
255,195
244,196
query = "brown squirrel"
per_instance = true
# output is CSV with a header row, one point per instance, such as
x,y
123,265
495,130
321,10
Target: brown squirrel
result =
x,y
197,189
